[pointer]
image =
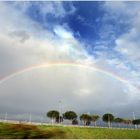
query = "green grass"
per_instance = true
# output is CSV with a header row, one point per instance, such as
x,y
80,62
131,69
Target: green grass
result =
x,y
96,133
21,131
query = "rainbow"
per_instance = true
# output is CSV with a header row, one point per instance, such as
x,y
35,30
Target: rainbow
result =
x,y
58,64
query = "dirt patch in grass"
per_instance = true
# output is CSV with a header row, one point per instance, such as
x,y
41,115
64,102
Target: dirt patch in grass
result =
x,y
21,131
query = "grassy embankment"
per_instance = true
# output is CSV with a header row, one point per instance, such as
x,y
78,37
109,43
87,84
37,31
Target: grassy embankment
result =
x,y
20,131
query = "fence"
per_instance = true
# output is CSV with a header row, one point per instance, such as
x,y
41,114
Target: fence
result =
x,y
42,119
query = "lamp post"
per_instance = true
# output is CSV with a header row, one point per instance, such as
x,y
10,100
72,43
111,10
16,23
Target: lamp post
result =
x,y
30,118
41,119
5,117
59,111
134,119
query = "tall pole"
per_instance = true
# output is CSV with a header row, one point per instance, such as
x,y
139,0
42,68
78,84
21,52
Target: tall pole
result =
x,y
108,121
134,118
5,117
41,119
59,111
88,113
30,118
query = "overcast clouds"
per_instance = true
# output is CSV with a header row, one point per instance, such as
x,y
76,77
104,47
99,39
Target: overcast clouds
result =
x,y
25,42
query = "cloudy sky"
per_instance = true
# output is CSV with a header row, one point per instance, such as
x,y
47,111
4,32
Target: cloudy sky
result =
x,y
86,54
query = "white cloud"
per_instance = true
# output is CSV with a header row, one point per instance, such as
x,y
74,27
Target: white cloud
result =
x,y
126,62
122,8
62,33
128,45
32,44
55,8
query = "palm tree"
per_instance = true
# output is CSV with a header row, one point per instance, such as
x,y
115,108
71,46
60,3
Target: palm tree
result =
x,y
94,118
136,122
86,119
108,118
70,115
53,114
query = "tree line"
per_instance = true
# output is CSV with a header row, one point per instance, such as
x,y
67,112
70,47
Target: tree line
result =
x,y
55,116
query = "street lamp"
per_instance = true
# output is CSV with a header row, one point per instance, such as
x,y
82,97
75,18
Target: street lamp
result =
x,y
59,111
5,116
30,118
41,119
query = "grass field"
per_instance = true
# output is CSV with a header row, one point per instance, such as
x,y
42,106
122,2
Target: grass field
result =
x,y
20,131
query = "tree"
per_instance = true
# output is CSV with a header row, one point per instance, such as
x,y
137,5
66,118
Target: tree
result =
x,y
94,118
86,119
136,122
53,114
70,115
108,118
118,120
